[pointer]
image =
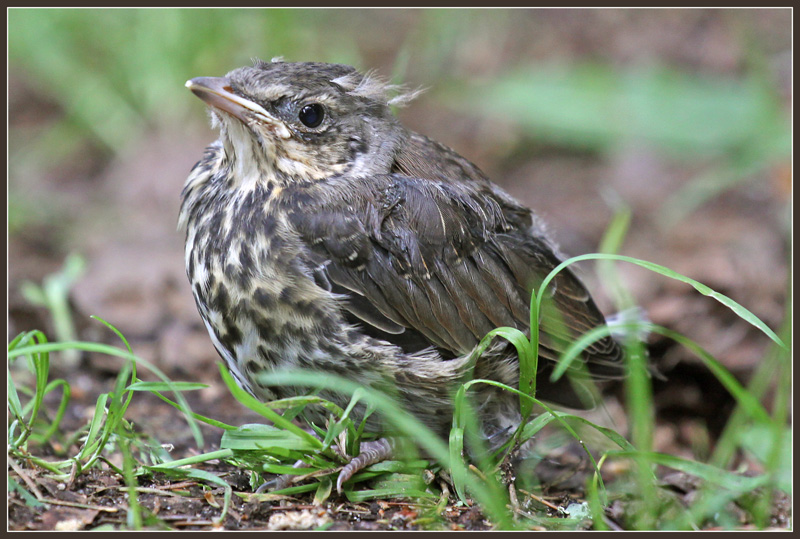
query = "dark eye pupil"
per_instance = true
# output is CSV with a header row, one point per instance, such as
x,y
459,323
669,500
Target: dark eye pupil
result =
x,y
311,115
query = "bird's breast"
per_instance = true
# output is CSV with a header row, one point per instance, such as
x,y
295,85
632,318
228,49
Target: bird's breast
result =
x,y
255,291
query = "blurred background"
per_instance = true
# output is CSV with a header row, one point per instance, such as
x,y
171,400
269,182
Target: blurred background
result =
x,y
681,117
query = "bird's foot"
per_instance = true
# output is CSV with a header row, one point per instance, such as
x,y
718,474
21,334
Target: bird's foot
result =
x,y
282,481
371,452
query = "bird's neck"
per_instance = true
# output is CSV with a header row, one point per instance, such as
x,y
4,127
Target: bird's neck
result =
x,y
250,162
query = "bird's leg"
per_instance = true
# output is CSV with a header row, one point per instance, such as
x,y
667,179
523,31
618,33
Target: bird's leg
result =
x,y
371,452
282,481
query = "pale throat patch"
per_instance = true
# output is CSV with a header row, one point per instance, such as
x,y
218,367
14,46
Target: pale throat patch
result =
x,y
264,159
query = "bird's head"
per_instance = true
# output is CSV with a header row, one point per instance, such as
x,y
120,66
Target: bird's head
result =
x,y
286,122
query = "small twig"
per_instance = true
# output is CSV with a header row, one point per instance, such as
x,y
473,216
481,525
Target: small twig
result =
x,y
612,524
73,473
146,490
477,472
512,494
189,522
445,489
28,481
176,486
352,511
80,505
542,501
234,514
36,492
262,496
522,513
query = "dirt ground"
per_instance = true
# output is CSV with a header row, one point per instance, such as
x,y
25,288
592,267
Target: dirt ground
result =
x,y
119,212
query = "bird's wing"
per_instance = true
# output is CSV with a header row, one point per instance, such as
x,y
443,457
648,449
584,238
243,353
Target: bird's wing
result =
x,y
441,264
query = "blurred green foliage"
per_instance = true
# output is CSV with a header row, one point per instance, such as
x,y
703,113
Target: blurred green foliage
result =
x,y
114,71
598,107
739,125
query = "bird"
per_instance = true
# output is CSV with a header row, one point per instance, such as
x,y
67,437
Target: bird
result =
x,y
322,234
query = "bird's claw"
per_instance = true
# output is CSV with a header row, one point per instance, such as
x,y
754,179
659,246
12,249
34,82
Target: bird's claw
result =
x,y
371,452
282,481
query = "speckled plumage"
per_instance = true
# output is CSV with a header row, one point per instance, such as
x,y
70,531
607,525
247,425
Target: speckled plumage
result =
x,y
360,248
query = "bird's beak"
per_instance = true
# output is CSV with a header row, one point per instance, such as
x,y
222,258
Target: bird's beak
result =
x,y
217,92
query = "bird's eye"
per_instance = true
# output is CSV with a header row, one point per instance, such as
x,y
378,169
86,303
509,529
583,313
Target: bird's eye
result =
x,y
312,115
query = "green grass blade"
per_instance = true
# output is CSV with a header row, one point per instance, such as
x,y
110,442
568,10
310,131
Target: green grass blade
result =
x,y
534,426
29,499
323,491
641,411
529,361
770,369
596,507
92,442
189,461
13,398
164,386
41,364
117,332
611,243
300,489
134,511
118,408
743,397
357,496
573,351
196,416
62,407
611,434
259,407
740,311
111,351
17,340
458,470
265,437
527,354
285,469
707,472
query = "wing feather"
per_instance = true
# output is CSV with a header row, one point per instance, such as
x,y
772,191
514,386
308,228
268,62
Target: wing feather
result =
x,y
445,261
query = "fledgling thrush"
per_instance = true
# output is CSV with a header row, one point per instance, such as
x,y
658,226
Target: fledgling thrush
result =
x,y
324,235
